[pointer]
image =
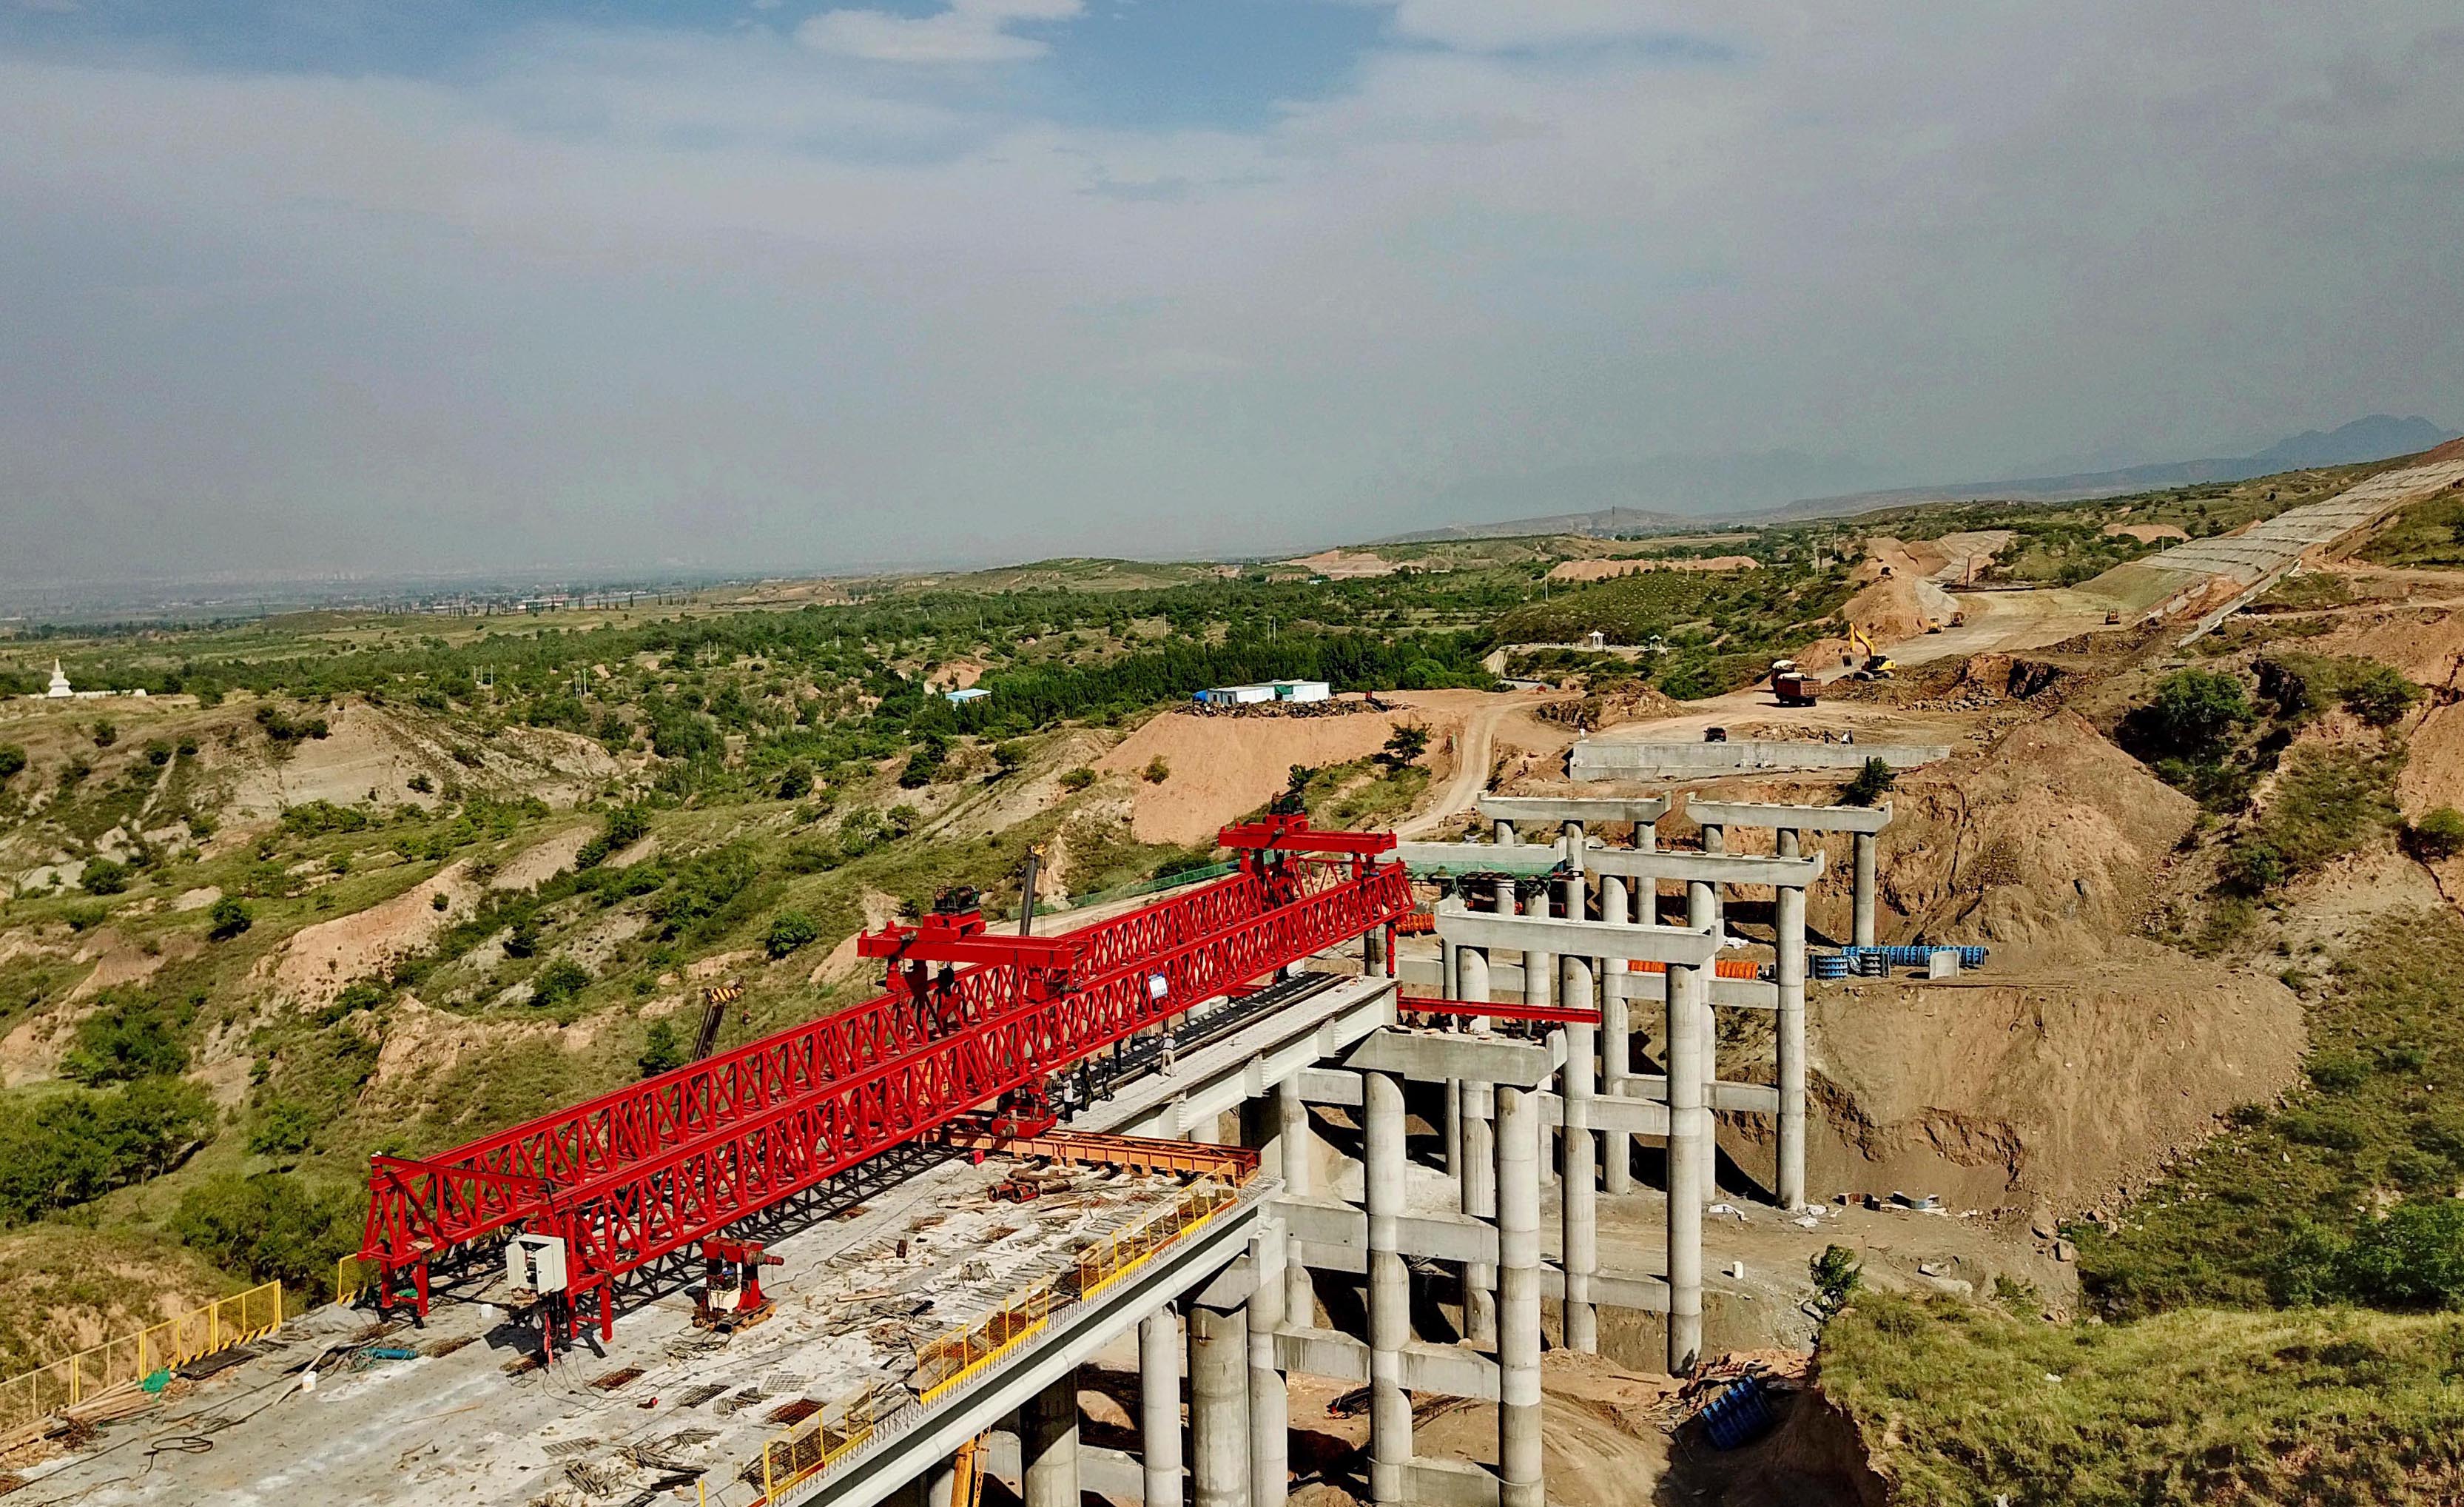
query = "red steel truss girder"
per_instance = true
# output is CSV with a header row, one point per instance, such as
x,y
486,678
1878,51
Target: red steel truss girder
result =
x,y
642,1171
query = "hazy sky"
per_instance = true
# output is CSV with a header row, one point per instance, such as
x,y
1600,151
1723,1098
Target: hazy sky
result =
x,y
335,284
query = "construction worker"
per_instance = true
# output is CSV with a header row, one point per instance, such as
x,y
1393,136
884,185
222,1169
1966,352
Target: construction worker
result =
x,y
1171,1049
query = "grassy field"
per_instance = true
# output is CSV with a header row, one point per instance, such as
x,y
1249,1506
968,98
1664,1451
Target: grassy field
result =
x,y
1963,1404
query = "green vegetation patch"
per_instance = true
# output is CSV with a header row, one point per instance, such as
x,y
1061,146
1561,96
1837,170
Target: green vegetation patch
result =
x,y
2430,532
2262,1213
1961,1405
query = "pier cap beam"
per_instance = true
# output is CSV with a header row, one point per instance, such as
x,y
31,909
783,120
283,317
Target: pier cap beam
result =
x,y
1699,868
1803,818
1588,938
1548,809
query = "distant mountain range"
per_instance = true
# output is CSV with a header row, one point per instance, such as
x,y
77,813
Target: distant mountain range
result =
x,y
2377,437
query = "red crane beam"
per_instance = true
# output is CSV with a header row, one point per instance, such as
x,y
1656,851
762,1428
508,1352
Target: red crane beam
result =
x,y
631,1176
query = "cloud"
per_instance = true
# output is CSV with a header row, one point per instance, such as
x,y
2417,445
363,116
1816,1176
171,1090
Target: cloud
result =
x,y
968,31
640,295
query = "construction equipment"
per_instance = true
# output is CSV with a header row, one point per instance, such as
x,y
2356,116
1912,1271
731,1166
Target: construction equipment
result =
x,y
970,1020
731,1297
1793,688
967,1467
1875,664
1015,1190
715,1000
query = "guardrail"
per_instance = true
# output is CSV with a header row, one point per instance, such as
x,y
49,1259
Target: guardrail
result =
x,y
954,1357
1100,1266
27,1399
813,1446
950,1363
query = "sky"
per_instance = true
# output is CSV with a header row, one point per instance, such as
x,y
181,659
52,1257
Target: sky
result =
x,y
303,286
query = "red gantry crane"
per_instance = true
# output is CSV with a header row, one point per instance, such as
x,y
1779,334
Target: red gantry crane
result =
x,y
971,1021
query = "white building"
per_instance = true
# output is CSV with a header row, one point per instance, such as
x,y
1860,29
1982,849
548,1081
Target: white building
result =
x,y
60,690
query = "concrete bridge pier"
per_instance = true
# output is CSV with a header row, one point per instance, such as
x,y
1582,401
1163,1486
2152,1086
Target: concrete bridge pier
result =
x,y
1160,1404
1579,1249
1383,1184
1219,1405
1479,1165
1269,1398
1701,914
1689,1137
1300,1180
1047,1438
1518,1299
1617,1041
1788,904
1864,893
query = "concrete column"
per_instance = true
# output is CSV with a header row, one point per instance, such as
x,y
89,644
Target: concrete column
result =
x,y
1372,950
1504,833
1702,912
1863,932
1390,1287
1446,980
1159,1405
1300,1180
1479,1172
1790,844
1539,968
1218,1406
1715,839
1048,1444
1518,1299
1504,891
1689,1129
1646,838
1580,1246
1617,1041
1790,908
1271,1476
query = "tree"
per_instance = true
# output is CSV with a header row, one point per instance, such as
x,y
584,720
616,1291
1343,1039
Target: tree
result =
x,y
791,930
128,1038
1405,745
230,917
2194,715
1077,779
271,1225
282,1127
105,733
1871,781
661,1052
104,877
795,784
522,938
13,758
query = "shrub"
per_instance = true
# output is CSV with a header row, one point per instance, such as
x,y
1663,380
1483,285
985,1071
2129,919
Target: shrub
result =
x,y
2411,1258
1077,779
795,784
104,877
282,1127
128,1038
522,938
661,1052
2379,695
158,753
1156,771
13,761
559,980
791,930
230,917
105,733
2196,715
2439,834
271,1225
1871,781
421,783
78,1146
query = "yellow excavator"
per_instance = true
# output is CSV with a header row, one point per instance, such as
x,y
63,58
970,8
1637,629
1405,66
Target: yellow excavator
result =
x,y
1871,663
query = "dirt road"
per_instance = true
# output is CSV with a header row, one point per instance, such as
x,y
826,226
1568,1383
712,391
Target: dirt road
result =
x,y
1475,751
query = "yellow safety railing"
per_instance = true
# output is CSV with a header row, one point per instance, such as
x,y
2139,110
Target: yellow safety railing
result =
x,y
25,1400
814,1445
1101,1265
947,1363
943,1364
351,1278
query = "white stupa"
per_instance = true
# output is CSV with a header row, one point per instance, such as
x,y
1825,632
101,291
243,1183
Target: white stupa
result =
x,y
60,689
